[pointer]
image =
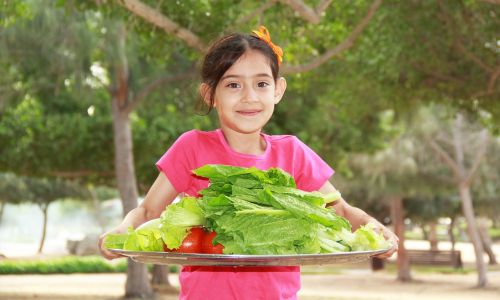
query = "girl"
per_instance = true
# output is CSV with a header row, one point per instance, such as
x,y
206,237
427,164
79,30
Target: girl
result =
x,y
240,79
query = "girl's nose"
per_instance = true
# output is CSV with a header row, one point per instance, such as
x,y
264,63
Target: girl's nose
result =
x,y
249,95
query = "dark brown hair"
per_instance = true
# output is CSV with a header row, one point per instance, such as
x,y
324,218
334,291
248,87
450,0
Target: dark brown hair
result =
x,y
225,52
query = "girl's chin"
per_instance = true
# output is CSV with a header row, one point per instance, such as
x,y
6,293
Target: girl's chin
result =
x,y
245,129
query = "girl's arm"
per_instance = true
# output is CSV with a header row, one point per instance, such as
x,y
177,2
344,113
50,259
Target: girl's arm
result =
x,y
358,217
161,194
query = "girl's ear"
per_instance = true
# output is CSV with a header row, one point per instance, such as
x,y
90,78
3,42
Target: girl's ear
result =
x,y
205,92
279,91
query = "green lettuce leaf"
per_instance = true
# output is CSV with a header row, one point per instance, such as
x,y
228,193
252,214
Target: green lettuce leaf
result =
x,y
365,238
178,218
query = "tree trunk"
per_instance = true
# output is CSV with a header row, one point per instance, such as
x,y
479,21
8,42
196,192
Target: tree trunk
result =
x,y
45,212
160,282
403,262
425,232
160,275
463,179
137,284
433,241
468,212
451,235
377,264
2,207
486,240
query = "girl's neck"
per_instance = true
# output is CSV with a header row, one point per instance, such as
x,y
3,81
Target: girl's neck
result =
x,y
245,143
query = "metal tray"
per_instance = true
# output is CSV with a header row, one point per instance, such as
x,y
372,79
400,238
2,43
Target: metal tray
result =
x,y
194,259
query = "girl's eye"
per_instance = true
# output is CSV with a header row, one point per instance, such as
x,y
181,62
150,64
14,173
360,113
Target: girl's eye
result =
x,y
262,84
233,85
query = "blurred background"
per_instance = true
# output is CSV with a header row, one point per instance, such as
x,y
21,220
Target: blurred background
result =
x,y
401,98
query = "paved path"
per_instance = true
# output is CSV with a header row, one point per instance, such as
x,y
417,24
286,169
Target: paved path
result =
x,y
356,284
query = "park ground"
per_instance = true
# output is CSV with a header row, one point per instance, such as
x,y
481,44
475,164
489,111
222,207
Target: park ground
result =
x,y
338,282
353,283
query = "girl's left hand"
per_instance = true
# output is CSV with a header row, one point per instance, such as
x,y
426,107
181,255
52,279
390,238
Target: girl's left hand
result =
x,y
391,237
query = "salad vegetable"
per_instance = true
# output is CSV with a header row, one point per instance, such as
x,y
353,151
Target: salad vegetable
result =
x,y
251,211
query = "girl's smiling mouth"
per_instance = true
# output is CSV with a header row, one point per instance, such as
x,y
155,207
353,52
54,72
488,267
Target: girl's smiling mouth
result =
x,y
249,112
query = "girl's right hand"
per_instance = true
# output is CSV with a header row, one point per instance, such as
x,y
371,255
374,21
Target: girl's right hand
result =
x,y
161,194
104,251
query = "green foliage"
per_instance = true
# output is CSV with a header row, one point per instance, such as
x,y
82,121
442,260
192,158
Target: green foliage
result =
x,y
494,233
437,51
13,189
65,265
410,54
11,11
104,192
42,191
45,124
430,209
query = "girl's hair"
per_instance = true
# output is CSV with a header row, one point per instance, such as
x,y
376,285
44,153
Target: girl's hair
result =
x,y
225,52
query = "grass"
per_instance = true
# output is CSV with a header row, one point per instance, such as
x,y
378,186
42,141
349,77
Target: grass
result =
x,y
65,265
443,236
494,233
467,269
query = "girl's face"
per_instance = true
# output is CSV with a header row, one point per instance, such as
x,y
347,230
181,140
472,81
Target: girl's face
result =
x,y
246,94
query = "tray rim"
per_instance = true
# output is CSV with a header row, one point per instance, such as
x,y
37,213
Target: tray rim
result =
x,y
244,259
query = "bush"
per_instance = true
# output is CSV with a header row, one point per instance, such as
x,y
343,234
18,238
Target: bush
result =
x,y
66,265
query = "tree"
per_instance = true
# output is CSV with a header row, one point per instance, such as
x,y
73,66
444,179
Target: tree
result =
x,y
51,105
426,211
44,191
390,175
439,51
462,149
13,190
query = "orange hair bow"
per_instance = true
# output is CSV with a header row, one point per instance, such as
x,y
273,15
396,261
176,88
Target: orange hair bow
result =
x,y
264,35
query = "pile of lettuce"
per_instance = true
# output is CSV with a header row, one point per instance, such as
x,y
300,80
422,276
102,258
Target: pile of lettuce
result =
x,y
253,212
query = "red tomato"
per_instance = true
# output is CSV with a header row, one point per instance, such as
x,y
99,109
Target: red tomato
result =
x,y
207,245
192,242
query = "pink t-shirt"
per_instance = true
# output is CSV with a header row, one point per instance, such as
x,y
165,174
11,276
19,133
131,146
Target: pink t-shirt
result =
x,y
197,148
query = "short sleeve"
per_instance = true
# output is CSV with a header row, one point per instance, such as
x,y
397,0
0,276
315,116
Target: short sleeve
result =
x,y
177,162
311,171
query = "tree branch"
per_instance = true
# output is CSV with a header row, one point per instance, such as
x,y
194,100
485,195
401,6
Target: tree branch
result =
x,y
458,39
322,6
490,90
306,12
480,154
492,1
156,18
303,10
191,72
482,93
472,57
346,44
437,75
447,158
493,79
80,173
256,12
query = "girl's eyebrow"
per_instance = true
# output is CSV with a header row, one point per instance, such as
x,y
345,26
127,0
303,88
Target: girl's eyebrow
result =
x,y
241,76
